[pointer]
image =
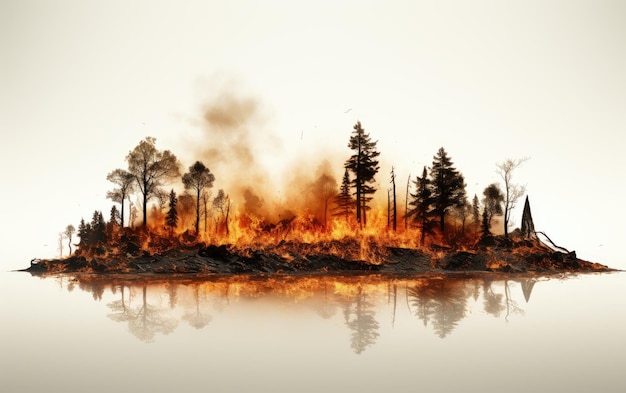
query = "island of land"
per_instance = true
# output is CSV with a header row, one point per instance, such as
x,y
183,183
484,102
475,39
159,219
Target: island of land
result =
x,y
489,254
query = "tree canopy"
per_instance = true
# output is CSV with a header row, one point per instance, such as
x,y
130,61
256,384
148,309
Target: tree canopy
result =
x,y
150,168
197,179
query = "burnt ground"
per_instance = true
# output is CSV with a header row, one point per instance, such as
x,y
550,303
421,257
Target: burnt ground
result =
x,y
491,256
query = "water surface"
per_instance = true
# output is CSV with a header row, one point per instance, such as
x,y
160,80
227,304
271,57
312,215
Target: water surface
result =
x,y
284,334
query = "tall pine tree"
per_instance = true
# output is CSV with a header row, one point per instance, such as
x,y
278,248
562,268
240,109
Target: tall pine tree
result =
x,y
448,186
364,165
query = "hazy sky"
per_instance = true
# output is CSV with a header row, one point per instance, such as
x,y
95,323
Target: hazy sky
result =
x,y
82,82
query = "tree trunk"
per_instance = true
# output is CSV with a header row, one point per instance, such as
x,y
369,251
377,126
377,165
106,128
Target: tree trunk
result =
x,y
395,208
145,210
198,212
122,213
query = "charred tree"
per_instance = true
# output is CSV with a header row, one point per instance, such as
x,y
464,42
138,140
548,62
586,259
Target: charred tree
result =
x,y
394,206
406,203
528,227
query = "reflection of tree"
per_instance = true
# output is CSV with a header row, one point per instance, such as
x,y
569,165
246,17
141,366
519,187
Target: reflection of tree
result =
x,y
443,302
147,321
421,299
492,302
96,289
527,287
121,313
197,319
496,303
359,317
324,308
172,291
511,305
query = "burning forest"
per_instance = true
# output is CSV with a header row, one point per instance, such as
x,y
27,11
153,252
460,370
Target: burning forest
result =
x,y
218,215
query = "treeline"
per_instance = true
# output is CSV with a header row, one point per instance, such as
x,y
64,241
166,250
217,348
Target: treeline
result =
x,y
439,193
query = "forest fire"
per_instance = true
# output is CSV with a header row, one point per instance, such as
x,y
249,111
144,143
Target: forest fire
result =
x,y
319,224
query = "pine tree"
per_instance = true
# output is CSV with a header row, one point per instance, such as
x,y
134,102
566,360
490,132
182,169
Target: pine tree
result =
x,y
475,210
448,186
484,228
344,201
115,217
84,232
98,229
364,165
171,218
421,202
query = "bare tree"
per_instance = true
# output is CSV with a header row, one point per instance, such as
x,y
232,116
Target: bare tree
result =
x,y
69,231
325,187
406,203
125,183
512,192
394,208
222,204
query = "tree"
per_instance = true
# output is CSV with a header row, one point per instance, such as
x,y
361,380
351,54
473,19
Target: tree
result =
x,y
69,231
393,190
448,186
171,218
113,224
198,178
98,228
406,203
125,182
462,211
325,186
512,192
84,232
115,217
485,227
364,165
492,201
344,201
421,203
205,208
475,211
221,203
150,167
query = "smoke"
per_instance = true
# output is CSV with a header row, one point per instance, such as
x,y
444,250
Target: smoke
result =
x,y
233,137
250,162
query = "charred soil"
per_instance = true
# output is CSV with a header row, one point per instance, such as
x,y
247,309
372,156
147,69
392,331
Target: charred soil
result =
x,y
494,254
